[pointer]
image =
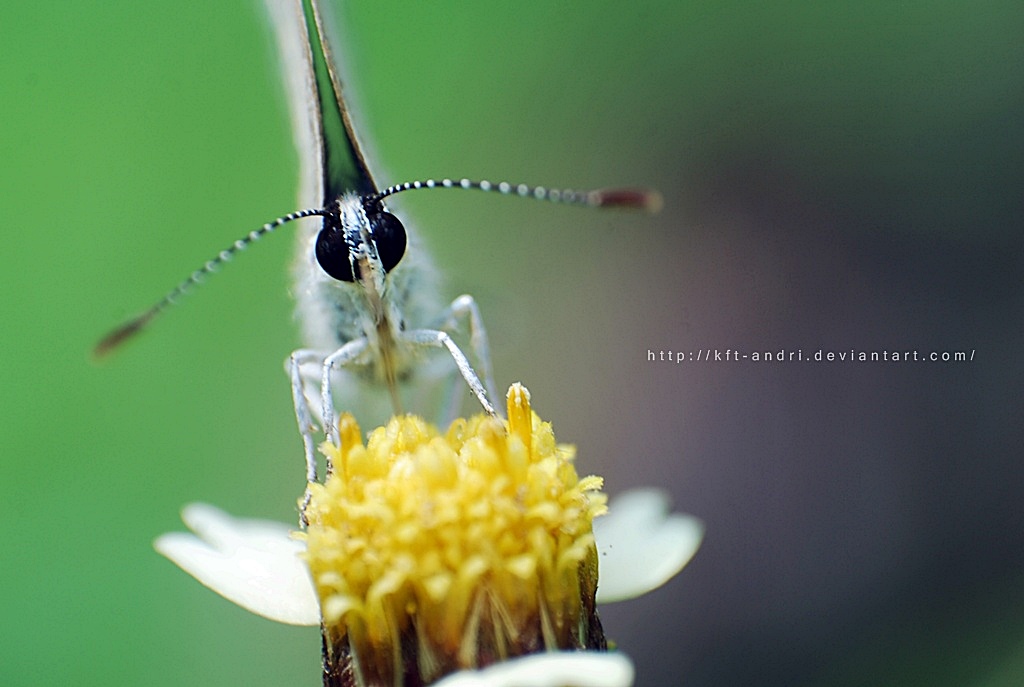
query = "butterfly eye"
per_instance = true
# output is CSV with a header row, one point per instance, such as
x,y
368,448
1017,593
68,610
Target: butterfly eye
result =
x,y
332,253
389,237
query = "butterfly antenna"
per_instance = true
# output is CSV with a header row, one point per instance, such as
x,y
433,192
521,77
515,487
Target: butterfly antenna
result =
x,y
630,198
132,327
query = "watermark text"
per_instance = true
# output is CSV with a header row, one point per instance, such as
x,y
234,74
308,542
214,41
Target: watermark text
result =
x,y
798,355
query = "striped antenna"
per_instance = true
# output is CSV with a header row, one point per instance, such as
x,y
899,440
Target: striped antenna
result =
x,y
132,327
630,198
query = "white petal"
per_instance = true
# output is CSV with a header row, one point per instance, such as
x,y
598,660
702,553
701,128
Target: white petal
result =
x,y
562,669
254,563
640,545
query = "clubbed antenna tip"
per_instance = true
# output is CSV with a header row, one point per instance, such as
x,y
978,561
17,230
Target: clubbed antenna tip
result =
x,y
633,198
118,336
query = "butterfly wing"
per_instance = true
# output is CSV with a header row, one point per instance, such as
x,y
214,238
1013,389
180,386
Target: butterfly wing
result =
x,y
330,159
344,167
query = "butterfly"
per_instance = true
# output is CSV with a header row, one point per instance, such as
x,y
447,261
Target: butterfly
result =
x,y
361,282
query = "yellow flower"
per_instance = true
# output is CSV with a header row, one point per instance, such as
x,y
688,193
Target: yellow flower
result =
x,y
435,557
433,553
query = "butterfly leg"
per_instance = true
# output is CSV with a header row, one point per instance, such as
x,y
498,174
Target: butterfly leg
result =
x,y
465,308
303,417
438,339
351,353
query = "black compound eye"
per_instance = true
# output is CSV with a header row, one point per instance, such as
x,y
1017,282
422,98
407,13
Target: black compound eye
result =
x,y
332,254
389,237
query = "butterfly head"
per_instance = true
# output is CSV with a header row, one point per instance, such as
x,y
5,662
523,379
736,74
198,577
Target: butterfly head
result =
x,y
360,240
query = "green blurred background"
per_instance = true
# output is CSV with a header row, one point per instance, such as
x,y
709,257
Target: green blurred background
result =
x,y
835,176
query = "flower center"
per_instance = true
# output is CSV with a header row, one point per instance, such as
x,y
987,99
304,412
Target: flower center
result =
x,y
436,552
